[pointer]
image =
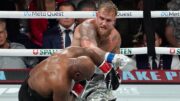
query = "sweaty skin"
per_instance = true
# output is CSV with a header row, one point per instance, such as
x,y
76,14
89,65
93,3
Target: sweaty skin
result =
x,y
54,75
98,34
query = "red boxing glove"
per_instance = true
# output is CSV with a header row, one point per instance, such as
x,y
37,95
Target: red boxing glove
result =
x,y
105,67
78,89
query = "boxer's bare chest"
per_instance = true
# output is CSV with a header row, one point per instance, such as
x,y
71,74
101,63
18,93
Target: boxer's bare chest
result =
x,y
106,44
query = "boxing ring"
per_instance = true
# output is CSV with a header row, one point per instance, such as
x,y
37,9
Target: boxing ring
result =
x,y
125,92
129,90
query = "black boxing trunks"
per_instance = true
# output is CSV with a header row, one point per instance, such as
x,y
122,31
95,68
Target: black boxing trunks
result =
x,y
27,94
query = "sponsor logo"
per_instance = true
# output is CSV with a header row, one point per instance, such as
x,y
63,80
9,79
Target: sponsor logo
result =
x,y
38,13
164,14
126,51
172,50
43,52
35,51
47,51
170,14
124,14
151,75
178,52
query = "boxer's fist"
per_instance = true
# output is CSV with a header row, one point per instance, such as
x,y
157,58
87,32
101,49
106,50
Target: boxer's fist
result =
x,y
119,60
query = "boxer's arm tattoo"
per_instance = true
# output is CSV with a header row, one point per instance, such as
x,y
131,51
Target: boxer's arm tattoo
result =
x,y
117,41
88,34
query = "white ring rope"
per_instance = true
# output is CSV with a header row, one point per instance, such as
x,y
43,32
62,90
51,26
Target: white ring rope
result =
x,y
64,14
82,14
48,52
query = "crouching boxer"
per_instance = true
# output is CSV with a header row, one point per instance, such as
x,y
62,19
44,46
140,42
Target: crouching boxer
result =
x,y
100,35
53,78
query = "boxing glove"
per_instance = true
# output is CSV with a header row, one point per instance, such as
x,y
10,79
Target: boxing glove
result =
x,y
119,60
78,88
111,78
105,67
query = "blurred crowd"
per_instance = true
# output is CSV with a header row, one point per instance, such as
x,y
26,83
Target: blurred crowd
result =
x,y
58,33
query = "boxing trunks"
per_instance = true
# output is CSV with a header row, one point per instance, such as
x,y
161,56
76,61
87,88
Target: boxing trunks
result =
x,y
96,90
27,94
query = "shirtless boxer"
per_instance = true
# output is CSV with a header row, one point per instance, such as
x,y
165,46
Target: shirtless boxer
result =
x,y
52,79
100,32
100,35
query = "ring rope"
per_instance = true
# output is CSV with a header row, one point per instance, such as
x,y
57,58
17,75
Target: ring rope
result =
x,y
48,52
82,14
64,14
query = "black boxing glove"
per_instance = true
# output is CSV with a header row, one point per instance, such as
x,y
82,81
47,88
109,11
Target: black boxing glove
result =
x,y
111,78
